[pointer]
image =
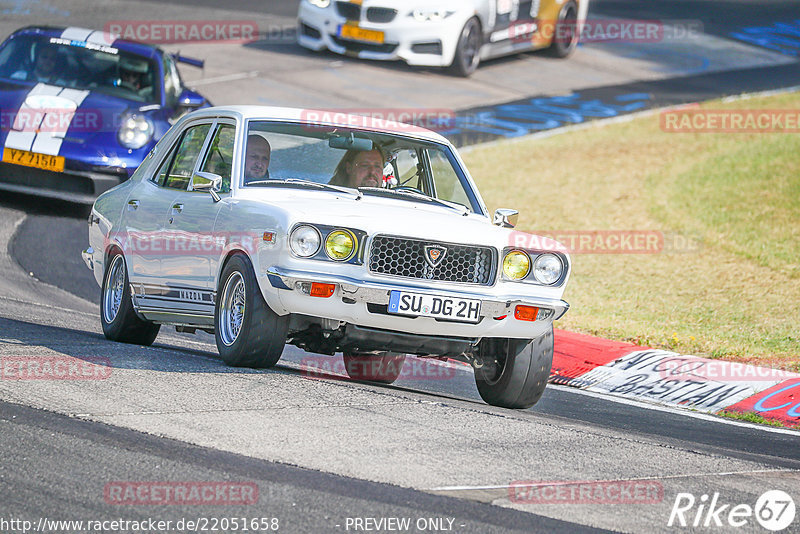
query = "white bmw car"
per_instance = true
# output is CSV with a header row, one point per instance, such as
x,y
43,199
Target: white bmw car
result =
x,y
440,33
265,227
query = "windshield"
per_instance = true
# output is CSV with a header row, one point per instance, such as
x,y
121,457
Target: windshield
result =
x,y
377,164
79,65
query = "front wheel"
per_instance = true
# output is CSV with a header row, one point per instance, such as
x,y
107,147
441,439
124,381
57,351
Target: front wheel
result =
x,y
515,371
384,368
565,35
248,333
468,49
119,320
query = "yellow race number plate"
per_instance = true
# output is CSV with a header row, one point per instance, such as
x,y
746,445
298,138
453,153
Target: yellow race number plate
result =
x,y
349,31
33,159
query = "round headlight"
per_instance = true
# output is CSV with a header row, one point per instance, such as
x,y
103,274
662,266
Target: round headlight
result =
x,y
547,269
304,241
320,3
516,265
340,245
135,131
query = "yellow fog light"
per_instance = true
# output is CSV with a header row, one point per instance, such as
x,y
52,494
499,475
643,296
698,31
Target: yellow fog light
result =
x,y
340,245
516,265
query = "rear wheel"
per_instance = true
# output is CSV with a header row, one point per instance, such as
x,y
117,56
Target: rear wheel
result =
x,y
248,333
384,368
119,320
565,36
515,371
468,49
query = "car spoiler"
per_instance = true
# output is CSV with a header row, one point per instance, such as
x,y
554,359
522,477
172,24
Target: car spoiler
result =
x,y
199,63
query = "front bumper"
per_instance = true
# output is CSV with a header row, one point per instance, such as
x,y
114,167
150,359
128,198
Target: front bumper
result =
x,y
78,186
362,302
430,44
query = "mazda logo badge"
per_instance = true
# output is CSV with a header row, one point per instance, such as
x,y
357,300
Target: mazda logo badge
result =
x,y
434,254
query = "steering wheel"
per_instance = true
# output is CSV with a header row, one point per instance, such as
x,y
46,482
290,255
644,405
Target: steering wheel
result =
x,y
409,188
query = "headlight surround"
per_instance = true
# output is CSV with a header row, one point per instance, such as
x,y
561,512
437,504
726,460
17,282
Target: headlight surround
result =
x,y
322,4
516,265
305,241
547,269
430,15
340,245
135,131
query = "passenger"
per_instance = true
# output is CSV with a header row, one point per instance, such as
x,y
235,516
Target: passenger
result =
x,y
256,159
360,168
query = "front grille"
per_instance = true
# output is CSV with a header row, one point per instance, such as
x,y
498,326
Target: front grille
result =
x,y
398,256
381,14
434,47
356,46
348,10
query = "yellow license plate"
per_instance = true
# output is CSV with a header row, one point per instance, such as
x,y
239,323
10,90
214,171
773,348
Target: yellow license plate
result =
x,y
33,159
348,31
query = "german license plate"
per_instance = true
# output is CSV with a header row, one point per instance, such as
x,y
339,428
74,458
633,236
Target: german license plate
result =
x,y
33,159
350,31
404,303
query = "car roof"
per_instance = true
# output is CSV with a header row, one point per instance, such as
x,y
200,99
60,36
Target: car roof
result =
x,y
324,117
97,37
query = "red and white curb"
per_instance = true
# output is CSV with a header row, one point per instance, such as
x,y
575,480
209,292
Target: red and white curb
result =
x,y
672,379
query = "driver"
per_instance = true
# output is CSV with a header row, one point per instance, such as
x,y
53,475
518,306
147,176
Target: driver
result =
x,y
360,168
133,75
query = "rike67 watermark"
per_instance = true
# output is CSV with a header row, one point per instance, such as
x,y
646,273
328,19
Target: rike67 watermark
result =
x,y
774,510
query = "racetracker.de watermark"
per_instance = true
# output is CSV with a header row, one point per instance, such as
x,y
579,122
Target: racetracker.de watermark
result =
x,y
696,120
586,492
333,367
54,368
611,30
394,119
605,241
184,31
692,368
180,493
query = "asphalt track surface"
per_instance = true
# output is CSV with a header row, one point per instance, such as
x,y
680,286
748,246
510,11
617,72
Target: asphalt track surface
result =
x,y
323,450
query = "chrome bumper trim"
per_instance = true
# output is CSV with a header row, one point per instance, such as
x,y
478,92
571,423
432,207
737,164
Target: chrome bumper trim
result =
x,y
86,255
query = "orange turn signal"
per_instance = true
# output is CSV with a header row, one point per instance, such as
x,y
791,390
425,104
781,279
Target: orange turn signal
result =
x,y
525,313
322,290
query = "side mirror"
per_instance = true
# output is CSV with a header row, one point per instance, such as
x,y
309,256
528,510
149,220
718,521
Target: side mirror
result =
x,y
207,181
190,100
505,217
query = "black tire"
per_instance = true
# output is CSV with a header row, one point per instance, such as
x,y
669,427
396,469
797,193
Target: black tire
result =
x,y
119,320
468,49
518,376
261,334
565,36
384,368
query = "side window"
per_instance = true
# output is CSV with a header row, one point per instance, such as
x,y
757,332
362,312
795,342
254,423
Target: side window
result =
x,y
448,184
406,162
172,81
219,157
177,170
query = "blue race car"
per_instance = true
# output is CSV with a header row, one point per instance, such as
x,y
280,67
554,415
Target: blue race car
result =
x,y
80,109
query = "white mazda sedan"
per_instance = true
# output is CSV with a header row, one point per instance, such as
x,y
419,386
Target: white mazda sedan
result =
x,y
265,227
440,33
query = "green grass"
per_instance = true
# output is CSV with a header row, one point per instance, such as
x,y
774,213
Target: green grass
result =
x,y
735,296
754,418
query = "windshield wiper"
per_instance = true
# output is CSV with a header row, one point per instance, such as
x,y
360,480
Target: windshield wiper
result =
x,y
418,195
308,183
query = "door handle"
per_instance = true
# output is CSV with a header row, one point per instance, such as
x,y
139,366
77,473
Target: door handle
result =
x,y
133,205
177,208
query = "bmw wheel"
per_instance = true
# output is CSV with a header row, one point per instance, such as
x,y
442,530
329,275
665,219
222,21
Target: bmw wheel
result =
x,y
468,49
566,35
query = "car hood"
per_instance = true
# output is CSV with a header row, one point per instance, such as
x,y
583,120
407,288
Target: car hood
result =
x,y
378,215
95,114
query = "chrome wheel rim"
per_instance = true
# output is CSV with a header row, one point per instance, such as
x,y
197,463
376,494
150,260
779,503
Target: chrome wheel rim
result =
x,y
232,308
115,287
